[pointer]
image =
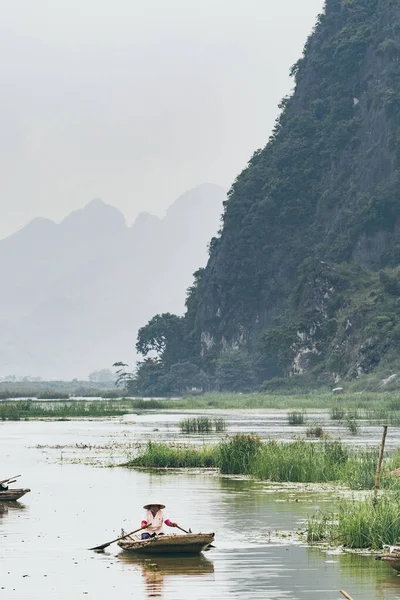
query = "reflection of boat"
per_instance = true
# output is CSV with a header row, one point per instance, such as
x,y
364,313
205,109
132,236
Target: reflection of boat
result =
x,y
391,557
190,543
13,494
6,507
156,570
169,565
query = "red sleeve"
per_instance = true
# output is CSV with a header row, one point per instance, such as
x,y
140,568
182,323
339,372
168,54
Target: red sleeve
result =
x,y
144,523
168,522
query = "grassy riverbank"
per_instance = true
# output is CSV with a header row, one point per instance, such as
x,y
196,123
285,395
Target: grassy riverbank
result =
x,y
374,402
28,409
299,461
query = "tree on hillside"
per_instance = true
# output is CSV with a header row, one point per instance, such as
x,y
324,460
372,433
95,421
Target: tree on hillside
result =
x,y
183,376
150,379
235,372
164,335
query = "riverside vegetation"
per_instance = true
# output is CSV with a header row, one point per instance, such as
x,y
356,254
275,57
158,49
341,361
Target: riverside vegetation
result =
x,y
357,523
299,461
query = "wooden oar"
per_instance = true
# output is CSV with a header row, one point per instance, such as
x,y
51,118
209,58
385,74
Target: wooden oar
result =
x,y
9,479
345,595
184,530
102,546
181,528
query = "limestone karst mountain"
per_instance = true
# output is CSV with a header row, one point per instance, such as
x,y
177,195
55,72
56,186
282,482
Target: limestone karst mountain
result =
x,y
75,293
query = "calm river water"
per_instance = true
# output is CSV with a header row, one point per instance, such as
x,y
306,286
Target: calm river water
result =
x,y
44,537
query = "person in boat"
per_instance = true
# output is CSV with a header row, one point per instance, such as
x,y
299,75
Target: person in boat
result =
x,y
154,521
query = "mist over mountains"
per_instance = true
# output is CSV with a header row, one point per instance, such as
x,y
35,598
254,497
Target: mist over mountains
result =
x,y
75,293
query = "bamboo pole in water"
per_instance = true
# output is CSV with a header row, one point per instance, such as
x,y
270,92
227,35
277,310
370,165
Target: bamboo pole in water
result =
x,y
378,468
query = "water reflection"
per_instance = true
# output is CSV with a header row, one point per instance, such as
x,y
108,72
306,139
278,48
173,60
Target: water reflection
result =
x,y
156,570
13,505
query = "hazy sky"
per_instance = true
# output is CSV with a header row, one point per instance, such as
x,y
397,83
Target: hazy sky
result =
x,y
135,101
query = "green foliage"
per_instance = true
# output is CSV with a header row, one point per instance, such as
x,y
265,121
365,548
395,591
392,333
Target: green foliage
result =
x,y
299,461
337,413
151,379
24,410
238,454
162,455
184,376
165,335
296,418
235,371
52,395
315,431
358,524
319,188
202,425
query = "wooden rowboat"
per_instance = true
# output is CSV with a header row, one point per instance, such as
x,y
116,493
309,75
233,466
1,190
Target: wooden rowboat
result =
x,y
13,494
392,557
191,543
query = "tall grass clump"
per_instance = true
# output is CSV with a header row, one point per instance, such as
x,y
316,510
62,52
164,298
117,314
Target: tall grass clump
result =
x,y
219,425
315,431
296,418
351,422
337,413
161,455
238,454
358,523
301,461
202,425
196,425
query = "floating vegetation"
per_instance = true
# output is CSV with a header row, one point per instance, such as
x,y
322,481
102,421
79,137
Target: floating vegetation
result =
x,y
315,431
202,425
219,425
296,418
351,422
337,413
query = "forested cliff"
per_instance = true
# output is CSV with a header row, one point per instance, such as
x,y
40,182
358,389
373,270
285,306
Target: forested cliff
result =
x,y
303,277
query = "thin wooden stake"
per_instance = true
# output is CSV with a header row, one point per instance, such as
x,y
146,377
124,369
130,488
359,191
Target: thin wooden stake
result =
x,y
378,468
345,595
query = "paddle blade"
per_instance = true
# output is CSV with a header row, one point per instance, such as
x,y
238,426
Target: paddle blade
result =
x,y
98,548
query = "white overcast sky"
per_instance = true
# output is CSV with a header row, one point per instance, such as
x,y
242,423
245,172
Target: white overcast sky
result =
x,y
136,101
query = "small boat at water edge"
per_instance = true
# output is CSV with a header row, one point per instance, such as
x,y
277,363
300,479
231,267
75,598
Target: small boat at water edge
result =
x,y
190,543
391,557
7,495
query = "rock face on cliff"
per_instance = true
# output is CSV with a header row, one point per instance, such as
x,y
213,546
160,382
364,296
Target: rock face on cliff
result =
x,y
294,274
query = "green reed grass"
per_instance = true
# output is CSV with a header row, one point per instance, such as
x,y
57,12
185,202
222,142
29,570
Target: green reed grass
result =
x,y
202,425
315,431
161,455
300,461
337,413
28,409
296,418
196,425
358,523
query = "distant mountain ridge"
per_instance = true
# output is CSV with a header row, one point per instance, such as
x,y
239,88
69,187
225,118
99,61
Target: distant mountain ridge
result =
x,y
77,291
